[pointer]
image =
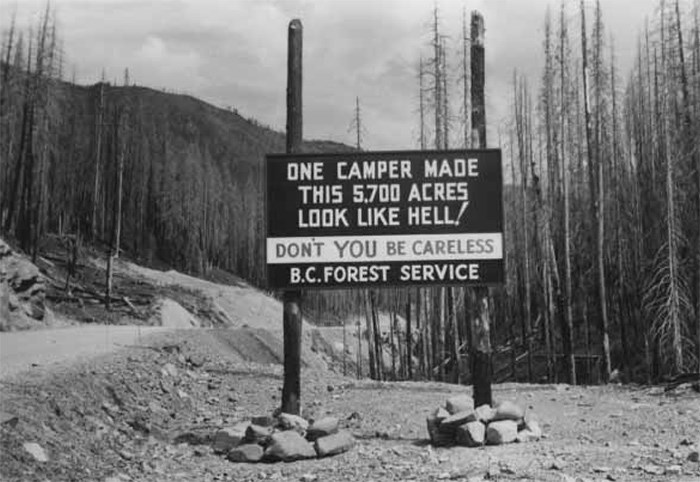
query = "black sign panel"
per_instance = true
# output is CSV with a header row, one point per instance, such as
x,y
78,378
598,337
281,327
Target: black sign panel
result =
x,y
384,218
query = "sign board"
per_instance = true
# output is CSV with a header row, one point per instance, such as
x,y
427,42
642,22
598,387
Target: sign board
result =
x,y
384,218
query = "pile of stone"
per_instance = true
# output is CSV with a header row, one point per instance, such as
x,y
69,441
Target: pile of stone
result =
x,y
282,438
459,423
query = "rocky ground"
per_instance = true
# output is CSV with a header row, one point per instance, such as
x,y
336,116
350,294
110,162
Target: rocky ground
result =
x,y
149,413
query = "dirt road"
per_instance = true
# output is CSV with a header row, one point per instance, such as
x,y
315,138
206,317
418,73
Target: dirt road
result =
x,y
43,349
149,413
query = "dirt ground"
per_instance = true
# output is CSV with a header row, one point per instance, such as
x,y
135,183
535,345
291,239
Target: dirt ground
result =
x,y
148,412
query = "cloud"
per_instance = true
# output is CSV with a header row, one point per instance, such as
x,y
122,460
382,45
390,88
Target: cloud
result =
x,y
233,53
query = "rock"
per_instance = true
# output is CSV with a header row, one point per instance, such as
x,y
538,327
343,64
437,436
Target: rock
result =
x,y
169,370
334,444
228,438
8,420
441,414
484,413
437,437
322,428
308,478
453,421
195,360
246,453
459,403
287,421
189,438
530,432
288,446
501,432
258,435
471,434
508,410
264,421
673,470
440,435
117,478
36,451
694,456
525,435
534,427
653,469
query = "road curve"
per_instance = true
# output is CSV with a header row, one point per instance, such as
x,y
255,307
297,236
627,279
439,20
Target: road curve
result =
x,y
42,349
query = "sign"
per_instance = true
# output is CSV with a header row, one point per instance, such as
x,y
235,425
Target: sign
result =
x,y
384,218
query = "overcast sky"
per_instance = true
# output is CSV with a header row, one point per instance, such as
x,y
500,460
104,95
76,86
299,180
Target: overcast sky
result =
x,y
233,52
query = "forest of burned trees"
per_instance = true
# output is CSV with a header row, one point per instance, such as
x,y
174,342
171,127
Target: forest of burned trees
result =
x,y
602,211
608,210
124,168
602,200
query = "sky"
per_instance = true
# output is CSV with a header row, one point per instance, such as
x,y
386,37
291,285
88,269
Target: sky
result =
x,y
233,53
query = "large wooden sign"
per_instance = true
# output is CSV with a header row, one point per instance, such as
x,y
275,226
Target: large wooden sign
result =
x,y
384,218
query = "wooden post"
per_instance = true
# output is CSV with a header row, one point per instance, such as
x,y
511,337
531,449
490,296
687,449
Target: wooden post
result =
x,y
292,298
481,320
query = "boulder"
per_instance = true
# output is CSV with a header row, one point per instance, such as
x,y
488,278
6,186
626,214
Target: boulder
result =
x,y
229,437
256,434
454,421
246,453
36,451
288,446
287,421
459,403
438,437
264,421
471,434
501,432
484,413
508,410
334,444
322,427
534,428
441,414
526,435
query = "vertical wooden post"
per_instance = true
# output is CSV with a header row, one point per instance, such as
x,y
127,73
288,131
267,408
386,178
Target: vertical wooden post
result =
x,y
481,320
292,298
409,338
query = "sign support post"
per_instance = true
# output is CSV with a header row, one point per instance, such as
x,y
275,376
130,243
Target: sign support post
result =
x,y
481,321
292,298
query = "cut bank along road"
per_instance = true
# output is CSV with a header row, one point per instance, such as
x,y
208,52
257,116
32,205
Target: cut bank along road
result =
x,y
23,350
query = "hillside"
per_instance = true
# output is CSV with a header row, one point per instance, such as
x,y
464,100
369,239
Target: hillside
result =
x,y
182,176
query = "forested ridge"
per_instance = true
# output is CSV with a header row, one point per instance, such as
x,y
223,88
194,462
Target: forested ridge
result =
x,y
189,172
602,207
